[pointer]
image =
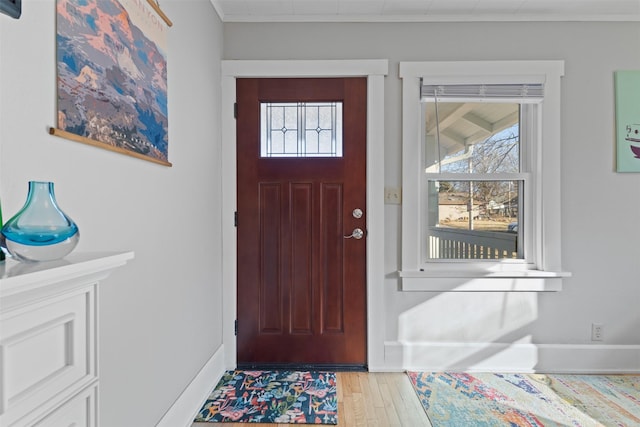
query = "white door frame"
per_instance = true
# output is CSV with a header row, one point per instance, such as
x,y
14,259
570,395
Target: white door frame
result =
x,y
375,71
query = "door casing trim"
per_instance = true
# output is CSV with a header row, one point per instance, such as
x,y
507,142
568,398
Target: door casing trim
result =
x,y
375,70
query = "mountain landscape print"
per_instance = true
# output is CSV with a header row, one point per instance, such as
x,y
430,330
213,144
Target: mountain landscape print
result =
x,y
112,75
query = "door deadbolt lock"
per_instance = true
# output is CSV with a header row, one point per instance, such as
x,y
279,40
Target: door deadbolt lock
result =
x,y
357,213
357,234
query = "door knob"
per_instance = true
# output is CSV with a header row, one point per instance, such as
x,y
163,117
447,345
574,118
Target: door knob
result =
x,y
357,234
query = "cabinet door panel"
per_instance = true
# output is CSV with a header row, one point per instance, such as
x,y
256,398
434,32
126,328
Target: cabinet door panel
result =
x,y
46,353
76,413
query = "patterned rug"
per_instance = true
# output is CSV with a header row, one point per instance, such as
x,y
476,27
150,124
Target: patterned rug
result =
x,y
528,400
286,397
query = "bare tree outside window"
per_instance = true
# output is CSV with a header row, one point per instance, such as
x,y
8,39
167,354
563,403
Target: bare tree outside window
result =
x,y
471,140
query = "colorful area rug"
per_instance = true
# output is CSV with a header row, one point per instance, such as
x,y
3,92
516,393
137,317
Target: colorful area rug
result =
x,y
528,400
286,397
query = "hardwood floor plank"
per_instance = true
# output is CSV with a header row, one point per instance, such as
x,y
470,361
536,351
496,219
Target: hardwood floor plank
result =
x,y
381,418
369,410
389,407
340,392
405,408
348,410
353,381
408,394
371,379
359,410
345,413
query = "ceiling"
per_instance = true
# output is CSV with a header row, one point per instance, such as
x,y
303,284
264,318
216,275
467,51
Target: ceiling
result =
x,y
426,10
461,125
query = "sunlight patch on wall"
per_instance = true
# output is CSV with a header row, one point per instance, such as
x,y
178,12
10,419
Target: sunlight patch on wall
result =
x,y
468,317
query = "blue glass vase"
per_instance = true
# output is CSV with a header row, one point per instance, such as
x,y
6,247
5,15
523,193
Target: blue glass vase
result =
x,y
40,231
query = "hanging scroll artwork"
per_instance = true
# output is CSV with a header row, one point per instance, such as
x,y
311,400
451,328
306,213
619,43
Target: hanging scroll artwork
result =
x,y
112,76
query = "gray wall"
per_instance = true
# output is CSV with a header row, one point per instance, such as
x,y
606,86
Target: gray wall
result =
x,y
161,313
599,206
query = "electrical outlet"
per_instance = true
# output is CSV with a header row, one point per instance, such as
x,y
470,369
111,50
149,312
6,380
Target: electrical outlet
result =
x,y
597,332
392,196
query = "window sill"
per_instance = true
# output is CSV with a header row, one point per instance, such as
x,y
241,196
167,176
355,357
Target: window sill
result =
x,y
482,281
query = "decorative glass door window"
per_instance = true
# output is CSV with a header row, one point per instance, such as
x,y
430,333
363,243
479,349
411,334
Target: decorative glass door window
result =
x,y
301,129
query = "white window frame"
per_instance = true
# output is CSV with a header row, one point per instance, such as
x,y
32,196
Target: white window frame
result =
x,y
542,269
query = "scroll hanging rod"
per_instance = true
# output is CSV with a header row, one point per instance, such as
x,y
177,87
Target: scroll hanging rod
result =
x,y
154,4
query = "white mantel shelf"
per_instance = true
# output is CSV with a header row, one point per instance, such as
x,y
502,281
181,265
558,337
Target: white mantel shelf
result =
x,y
17,277
49,339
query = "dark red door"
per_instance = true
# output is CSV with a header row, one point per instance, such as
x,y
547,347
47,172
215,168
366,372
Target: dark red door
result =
x,y
301,282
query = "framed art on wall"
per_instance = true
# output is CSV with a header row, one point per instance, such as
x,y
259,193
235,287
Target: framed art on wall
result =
x,y
112,76
627,94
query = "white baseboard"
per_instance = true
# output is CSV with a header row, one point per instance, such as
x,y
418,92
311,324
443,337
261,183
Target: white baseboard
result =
x,y
186,407
518,357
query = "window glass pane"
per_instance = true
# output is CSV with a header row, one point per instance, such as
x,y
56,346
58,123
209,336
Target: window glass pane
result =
x,y
303,129
472,137
474,219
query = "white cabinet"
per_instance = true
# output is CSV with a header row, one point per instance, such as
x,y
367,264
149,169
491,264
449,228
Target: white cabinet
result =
x,y
49,338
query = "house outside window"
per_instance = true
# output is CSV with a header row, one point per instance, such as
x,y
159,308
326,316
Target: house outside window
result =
x,y
481,170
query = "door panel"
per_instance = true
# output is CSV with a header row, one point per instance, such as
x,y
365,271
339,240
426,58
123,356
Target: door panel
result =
x,y
332,272
301,284
301,293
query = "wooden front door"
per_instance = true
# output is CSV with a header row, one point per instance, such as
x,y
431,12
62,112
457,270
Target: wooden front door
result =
x,y
301,282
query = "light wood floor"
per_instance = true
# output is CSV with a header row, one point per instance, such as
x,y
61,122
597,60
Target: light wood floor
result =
x,y
370,399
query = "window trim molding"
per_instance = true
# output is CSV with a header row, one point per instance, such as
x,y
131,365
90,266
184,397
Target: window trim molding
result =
x,y
546,273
